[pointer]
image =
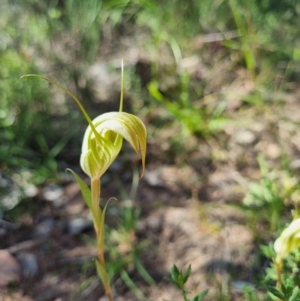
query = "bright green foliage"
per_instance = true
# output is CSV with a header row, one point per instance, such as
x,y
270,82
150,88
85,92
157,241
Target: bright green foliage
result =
x,y
268,195
25,108
180,278
193,120
124,235
286,294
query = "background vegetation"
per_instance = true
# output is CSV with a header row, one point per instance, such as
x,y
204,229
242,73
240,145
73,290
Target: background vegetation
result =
x,y
194,71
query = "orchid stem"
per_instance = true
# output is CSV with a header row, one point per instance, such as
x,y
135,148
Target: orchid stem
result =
x,y
99,229
95,189
279,282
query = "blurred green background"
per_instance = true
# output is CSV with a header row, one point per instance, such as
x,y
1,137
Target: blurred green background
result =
x,y
192,69
177,54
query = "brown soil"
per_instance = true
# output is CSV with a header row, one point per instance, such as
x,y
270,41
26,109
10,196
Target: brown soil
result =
x,y
189,200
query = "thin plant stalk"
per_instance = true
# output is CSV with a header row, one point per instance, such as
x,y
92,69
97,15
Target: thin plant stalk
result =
x,y
279,282
99,229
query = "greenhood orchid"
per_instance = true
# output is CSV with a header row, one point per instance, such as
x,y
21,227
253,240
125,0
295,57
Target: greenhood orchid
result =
x,y
101,149
288,241
101,145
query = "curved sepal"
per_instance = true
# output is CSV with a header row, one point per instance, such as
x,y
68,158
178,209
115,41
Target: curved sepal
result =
x,y
111,127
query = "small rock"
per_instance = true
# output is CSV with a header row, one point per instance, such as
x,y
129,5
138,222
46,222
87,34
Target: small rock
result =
x,y
295,164
153,179
273,151
78,225
29,264
30,190
245,137
45,227
9,268
155,223
53,193
240,285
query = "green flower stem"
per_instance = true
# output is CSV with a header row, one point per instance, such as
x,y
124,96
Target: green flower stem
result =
x,y
96,210
99,229
279,282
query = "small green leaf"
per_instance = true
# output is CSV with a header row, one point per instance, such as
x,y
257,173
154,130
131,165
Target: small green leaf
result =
x,y
133,287
175,272
287,291
142,271
201,296
86,192
187,274
102,273
295,294
273,290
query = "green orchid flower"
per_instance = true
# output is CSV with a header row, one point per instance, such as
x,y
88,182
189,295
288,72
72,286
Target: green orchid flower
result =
x,y
288,241
99,151
101,145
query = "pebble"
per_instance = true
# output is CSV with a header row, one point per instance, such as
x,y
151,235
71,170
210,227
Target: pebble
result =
x,y
45,227
295,164
30,190
240,285
29,264
155,223
273,151
245,137
153,179
78,224
52,193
